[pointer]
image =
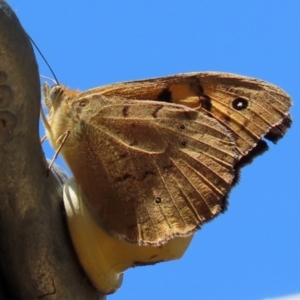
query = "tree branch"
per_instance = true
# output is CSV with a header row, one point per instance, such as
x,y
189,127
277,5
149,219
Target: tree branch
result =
x,y
37,260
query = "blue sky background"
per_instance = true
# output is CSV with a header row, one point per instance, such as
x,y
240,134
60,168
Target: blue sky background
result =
x,y
252,251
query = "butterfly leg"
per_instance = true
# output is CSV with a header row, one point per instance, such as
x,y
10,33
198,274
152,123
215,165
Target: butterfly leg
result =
x,y
64,138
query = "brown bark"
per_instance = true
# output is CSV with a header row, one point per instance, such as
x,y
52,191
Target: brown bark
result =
x,y
37,260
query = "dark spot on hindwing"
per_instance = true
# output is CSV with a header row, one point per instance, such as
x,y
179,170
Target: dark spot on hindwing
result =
x,y
158,200
183,143
240,103
165,96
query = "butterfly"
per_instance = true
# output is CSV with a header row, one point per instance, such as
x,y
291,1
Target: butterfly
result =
x,y
157,158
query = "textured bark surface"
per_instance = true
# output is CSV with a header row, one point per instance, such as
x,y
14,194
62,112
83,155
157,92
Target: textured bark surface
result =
x,y
37,260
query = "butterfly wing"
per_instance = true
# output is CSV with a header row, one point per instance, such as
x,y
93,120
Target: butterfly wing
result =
x,y
150,171
251,109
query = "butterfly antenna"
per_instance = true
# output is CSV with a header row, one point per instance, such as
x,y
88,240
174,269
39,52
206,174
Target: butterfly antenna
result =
x,y
45,60
46,77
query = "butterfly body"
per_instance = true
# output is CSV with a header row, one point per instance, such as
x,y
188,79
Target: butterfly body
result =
x,y
156,158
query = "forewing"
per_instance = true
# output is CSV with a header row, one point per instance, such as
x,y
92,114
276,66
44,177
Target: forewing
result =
x,y
251,109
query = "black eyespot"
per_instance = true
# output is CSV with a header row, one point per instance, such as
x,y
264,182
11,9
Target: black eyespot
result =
x,y
158,200
182,126
183,143
240,103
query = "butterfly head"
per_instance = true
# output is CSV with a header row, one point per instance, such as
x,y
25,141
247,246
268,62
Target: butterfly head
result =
x,y
58,100
53,95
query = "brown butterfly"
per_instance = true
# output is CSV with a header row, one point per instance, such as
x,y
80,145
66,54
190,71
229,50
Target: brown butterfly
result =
x,y
157,158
